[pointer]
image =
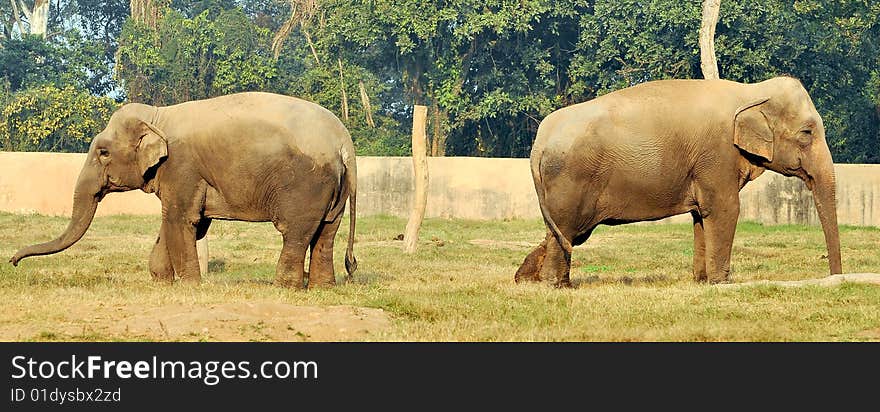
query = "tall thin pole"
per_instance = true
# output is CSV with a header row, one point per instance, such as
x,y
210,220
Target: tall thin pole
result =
x,y
420,178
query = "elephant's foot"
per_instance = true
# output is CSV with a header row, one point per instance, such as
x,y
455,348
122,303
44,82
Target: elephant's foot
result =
x,y
563,284
530,269
700,276
166,278
719,281
321,279
191,280
160,264
290,282
716,278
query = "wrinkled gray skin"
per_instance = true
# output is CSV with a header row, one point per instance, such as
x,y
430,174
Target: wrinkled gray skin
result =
x,y
251,156
669,147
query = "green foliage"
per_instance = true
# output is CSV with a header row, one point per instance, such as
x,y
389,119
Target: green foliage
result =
x,y
51,88
319,81
194,58
66,60
52,119
496,67
489,71
221,50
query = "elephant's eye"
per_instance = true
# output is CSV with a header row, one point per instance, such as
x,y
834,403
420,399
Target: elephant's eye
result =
x,y
104,156
805,137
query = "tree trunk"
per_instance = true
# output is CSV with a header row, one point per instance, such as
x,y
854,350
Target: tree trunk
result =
x,y
147,11
435,135
302,12
708,62
342,88
311,45
16,15
440,116
420,179
39,18
365,101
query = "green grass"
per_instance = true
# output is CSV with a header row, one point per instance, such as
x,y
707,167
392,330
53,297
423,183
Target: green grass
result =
x,y
633,283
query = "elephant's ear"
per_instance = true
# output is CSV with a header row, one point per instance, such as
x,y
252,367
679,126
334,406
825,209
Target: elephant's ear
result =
x,y
152,148
751,130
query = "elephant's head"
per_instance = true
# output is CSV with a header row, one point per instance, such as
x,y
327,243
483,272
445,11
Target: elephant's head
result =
x,y
782,131
122,157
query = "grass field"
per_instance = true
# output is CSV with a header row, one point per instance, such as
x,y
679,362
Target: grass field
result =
x,y
632,283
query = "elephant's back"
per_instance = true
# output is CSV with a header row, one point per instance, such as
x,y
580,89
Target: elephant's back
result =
x,y
268,122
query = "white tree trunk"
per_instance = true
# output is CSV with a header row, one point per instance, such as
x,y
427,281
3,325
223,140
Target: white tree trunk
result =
x,y
420,178
16,14
39,18
708,63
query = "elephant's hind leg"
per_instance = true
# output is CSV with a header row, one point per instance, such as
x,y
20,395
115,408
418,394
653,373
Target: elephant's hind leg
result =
x,y
558,261
296,234
557,264
321,272
530,270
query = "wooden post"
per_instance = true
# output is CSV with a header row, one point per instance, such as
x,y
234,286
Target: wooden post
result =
x,y
202,251
420,178
708,63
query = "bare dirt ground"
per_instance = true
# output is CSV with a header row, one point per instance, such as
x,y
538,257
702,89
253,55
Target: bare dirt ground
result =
x,y
833,280
240,321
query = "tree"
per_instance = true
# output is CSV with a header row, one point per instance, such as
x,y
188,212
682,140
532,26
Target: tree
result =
x,y
708,62
36,16
184,58
147,12
488,72
52,119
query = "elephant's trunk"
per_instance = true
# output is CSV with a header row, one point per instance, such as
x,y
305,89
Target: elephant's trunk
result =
x,y
85,201
824,195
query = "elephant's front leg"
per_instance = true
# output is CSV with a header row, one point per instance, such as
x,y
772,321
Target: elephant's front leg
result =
x,y
179,232
719,228
699,248
160,262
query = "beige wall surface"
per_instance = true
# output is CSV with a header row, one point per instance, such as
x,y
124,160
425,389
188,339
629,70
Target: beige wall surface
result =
x,y
459,187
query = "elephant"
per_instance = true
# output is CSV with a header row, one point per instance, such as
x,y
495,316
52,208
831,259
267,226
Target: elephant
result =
x,y
670,147
256,157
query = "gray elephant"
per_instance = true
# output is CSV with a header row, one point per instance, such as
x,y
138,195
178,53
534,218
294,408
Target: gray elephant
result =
x,y
254,157
668,147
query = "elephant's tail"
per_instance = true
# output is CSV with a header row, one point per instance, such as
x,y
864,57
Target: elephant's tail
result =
x,y
351,182
536,156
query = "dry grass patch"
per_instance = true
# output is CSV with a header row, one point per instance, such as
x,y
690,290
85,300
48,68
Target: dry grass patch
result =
x,y
633,283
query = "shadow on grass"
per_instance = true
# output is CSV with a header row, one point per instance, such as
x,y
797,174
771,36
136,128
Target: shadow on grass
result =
x,y
241,278
622,280
363,278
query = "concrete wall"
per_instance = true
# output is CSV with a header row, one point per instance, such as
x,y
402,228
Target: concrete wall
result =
x,y
460,187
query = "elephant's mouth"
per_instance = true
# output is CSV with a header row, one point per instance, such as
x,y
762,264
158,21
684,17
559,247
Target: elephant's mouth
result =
x,y
800,173
809,181
115,184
